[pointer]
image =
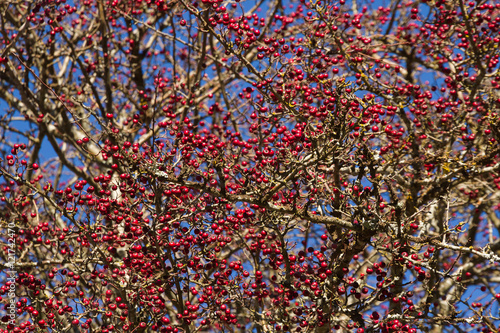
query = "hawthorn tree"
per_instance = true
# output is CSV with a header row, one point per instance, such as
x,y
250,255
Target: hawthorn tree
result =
x,y
207,166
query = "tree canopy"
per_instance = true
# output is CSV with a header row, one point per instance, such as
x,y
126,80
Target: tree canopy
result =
x,y
249,166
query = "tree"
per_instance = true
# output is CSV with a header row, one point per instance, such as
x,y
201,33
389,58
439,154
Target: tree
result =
x,y
207,166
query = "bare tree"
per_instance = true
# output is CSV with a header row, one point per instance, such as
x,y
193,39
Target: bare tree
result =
x,y
295,166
